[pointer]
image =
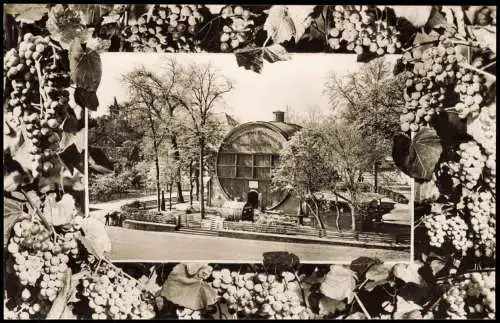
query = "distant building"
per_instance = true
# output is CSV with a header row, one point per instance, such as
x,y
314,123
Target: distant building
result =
x,y
245,161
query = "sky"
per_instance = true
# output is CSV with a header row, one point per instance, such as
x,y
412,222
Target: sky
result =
x,y
297,83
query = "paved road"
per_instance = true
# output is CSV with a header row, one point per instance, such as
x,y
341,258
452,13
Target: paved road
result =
x,y
137,245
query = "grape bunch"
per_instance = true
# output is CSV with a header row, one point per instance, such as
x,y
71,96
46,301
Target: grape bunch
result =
x,y
111,295
444,226
357,29
485,135
185,313
29,241
37,79
55,268
430,75
479,209
238,28
262,295
30,307
170,28
471,87
469,168
473,296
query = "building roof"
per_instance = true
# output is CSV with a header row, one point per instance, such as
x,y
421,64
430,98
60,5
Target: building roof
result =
x,y
289,129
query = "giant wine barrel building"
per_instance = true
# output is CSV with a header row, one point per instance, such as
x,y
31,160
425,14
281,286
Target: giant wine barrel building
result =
x,y
245,161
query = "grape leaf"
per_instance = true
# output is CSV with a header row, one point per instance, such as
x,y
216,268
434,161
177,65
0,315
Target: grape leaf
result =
x,y
378,275
418,17
215,8
59,213
406,309
437,265
438,19
423,41
300,14
85,66
12,180
12,210
250,58
278,261
72,159
186,291
449,127
149,283
137,10
95,237
339,283
73,180
362,264
99,45
51,179
408,273
77,109
365,57
24,12
86,99
485,35
329,306
73,139
316,23
65,25
279,26
23,156
193,268
275,53
356,316
12,139
418,157
90,14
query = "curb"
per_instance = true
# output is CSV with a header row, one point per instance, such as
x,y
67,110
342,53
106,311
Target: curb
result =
x,y
311,240
150,226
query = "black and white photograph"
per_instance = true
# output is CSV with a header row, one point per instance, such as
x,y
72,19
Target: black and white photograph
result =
x,y
286,161
192,161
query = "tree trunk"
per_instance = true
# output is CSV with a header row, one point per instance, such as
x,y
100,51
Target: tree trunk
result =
x,y
337,220
157,164
191,182
197,184
170,198
202,185
180,197
353,217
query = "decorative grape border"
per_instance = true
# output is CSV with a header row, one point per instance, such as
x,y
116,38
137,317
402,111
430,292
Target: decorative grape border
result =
x,y
56,256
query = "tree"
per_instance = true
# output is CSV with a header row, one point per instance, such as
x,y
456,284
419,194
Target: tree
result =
x,y
146,109
351,153
310,116
371,97
167,84
204,88
304,167
114,134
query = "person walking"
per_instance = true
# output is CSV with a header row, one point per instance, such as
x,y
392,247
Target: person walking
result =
x,y
107,219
